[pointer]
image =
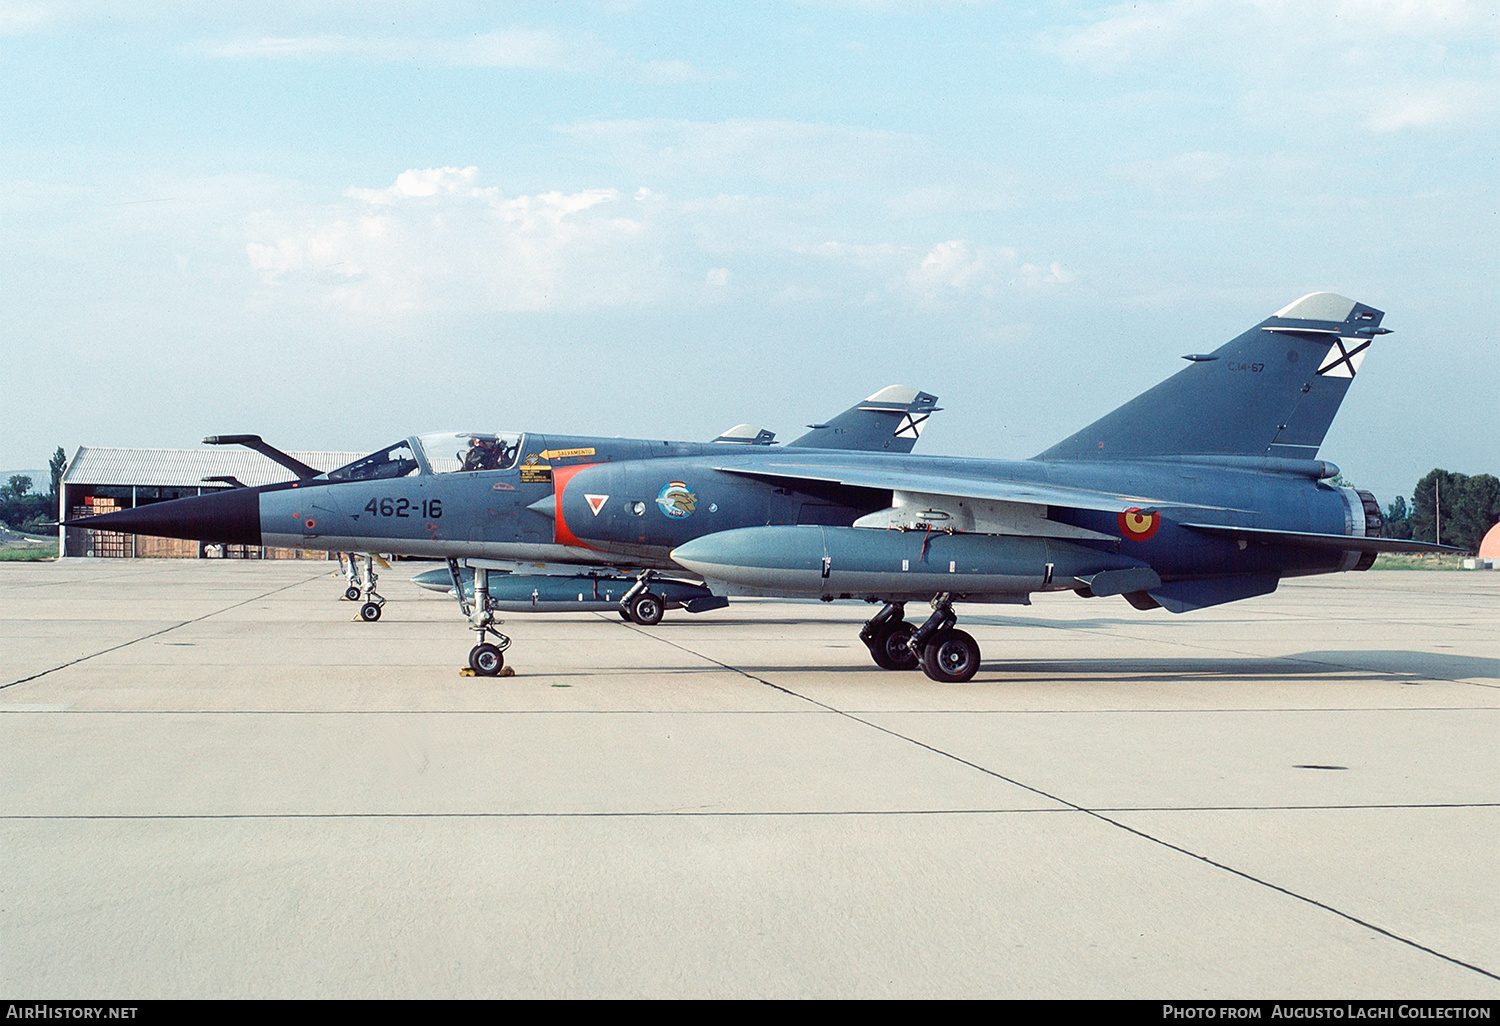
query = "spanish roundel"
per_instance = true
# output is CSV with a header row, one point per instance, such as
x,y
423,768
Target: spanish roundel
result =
x,y
1138,526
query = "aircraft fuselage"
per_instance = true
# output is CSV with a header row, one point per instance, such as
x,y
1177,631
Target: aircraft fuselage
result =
x,y
632,511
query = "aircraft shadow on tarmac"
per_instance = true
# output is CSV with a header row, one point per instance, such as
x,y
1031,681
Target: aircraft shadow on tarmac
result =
x,y
1431,665
1323,667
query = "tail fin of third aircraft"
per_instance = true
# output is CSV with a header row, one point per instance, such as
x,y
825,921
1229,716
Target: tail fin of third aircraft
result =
x,y
891,420
1272,391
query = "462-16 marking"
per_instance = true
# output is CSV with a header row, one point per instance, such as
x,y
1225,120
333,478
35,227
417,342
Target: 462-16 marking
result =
x,y
428,509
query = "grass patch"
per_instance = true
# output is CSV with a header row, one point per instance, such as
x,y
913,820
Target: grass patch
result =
x,y
28,553
1417,561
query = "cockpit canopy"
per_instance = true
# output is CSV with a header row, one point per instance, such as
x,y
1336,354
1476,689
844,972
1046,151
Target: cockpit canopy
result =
x,y
396,460
442,452
450,451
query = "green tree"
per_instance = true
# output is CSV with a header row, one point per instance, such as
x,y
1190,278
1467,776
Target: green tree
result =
x,y
57,464
1397,520
1459,507
19,485
1476,510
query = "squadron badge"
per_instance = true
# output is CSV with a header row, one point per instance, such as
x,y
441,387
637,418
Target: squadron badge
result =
x,y
676,501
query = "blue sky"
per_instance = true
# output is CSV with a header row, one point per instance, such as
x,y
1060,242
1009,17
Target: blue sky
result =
x,y
335,224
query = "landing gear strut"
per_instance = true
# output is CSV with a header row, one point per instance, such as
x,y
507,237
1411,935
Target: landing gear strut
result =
x,y
362,586
486,659
945,654
639,604
349,570
370,611
887,635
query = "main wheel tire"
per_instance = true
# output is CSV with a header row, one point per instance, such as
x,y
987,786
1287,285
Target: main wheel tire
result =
x,y
369,612
950,656
486,660
351,593
646,609
889,648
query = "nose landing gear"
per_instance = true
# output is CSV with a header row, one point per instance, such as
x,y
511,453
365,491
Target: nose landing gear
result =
x,y
362,585
486,659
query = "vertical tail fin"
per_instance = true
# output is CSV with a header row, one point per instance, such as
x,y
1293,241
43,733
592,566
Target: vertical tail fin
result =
x,y
891,420
1272,391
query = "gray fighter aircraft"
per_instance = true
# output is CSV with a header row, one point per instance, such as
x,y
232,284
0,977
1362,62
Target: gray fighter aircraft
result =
x,y
891,420
1204,489
535,574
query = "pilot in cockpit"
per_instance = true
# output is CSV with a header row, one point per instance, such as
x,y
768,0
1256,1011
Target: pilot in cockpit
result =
x,y
483,454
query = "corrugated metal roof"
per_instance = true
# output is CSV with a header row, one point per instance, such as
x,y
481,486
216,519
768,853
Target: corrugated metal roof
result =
x,y
186,468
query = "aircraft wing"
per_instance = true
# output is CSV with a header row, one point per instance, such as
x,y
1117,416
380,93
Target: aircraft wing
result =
x,y
1309,540
949,482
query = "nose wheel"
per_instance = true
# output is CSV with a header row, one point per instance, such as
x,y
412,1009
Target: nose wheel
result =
x,y
362,586
487,660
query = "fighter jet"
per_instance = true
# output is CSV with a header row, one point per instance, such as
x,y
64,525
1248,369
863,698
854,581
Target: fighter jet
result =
x,y
524,566
1205,489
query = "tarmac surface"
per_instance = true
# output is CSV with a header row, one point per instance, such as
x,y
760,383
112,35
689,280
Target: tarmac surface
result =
x,y
215,783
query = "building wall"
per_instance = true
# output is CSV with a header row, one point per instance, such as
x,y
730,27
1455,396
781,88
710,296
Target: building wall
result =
x,y
82,500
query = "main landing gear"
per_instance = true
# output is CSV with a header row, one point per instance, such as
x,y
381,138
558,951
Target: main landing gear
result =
x,y
640,604
361,586
944,653
487,659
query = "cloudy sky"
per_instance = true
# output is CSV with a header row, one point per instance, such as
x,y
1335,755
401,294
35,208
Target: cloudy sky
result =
x,y
339,223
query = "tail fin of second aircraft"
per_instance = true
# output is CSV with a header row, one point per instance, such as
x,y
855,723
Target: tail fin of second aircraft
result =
x,y
891,420
1272,391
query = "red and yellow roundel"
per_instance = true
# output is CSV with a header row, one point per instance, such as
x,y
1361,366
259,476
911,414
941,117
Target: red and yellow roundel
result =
x,y
1138,526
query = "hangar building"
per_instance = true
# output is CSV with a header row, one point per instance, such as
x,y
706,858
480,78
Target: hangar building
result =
x,y
100,480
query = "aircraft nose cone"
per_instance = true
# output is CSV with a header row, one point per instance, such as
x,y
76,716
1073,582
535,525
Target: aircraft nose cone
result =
x,y
231,517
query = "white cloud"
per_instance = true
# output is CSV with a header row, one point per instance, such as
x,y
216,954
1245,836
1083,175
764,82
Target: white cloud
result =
x,y
1263,32
1388,65
433,181
439,239
957,268
19,16
436,239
